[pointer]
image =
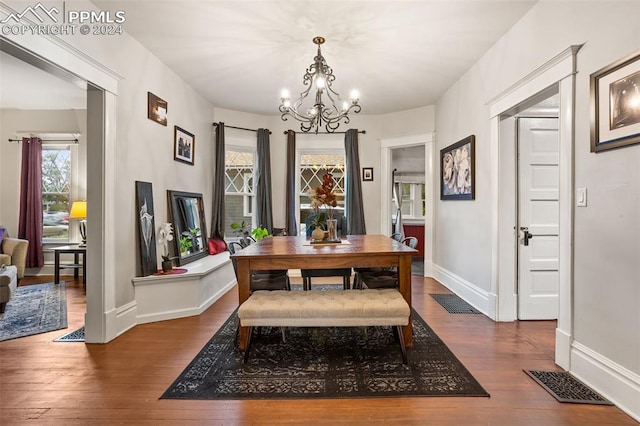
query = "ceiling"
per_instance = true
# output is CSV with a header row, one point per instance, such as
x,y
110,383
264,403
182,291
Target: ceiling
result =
x,y
240,54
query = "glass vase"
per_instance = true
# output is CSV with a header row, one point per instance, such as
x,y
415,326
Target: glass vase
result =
x,y
332,228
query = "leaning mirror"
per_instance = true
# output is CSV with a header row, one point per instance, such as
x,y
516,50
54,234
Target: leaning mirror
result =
x,y
189,229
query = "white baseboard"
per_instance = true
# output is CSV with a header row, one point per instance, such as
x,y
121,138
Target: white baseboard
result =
x,y
472,294
125,317
616,383
563,349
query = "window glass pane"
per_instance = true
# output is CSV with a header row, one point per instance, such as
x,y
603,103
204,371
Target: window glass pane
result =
x,y
312,168
407,201
56,188
239,168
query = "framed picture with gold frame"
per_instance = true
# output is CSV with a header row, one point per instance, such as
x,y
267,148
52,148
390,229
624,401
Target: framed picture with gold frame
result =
x,y
615,104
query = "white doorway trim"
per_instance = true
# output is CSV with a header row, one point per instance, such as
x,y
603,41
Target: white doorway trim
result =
x,y
101,318
560,71
386,145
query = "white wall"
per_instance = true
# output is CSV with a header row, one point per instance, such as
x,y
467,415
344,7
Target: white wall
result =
x,y
607,247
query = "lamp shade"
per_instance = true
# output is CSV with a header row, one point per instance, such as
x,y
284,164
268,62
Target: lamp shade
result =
x,y
78,210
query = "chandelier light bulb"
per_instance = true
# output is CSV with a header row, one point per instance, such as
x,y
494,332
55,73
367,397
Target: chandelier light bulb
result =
x,y
325,108
355,96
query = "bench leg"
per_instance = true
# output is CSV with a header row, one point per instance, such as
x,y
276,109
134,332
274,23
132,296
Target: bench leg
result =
x,y
398,333
246,350
2,307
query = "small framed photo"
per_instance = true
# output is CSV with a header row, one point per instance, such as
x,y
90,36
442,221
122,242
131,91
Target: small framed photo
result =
x,y
615,105
156,109
184,146
457,174
367,174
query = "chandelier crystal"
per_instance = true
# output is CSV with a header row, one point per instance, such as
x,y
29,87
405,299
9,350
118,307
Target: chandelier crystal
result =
x,y
313,116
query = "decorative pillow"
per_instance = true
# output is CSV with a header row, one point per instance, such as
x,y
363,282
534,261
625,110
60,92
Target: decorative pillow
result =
x,y
3,231
217,246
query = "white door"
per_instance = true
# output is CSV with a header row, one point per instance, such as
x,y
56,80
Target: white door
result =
x,y
538,218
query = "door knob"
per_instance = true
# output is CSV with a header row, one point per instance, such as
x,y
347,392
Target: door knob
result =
x,y
527,235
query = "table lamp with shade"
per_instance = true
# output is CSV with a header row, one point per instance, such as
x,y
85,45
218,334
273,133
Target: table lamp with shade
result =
x,y
79,211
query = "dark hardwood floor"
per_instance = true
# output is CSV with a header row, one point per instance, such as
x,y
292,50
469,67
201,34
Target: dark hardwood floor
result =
x,y
46,382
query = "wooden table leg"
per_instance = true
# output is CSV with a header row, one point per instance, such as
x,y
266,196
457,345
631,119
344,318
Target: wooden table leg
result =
x,y
244,290
404,281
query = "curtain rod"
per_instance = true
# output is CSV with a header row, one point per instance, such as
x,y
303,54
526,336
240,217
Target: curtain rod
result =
x,y
48,140
239,128
322,133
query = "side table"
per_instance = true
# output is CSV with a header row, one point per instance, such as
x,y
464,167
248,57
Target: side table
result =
x,y
76,265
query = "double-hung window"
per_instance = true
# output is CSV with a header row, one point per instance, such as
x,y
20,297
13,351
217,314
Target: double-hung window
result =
x,y
313,166
56,191
239,188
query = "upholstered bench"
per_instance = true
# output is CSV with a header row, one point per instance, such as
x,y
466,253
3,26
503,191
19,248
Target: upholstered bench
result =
x,y
335,308
8,284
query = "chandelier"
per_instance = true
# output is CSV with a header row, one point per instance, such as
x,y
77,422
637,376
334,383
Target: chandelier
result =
x,y
313,116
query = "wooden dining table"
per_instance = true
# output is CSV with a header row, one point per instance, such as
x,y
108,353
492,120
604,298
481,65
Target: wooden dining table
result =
x,y
354,251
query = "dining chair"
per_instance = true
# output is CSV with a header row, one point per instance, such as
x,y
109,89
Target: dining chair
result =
x,y
382,278
262,280
307,274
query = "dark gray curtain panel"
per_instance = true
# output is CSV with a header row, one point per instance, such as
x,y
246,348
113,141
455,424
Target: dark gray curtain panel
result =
x,y
217,212
290,207
264,210
354,208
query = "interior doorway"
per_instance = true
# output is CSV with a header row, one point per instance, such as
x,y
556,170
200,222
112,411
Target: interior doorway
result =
x,y
388,146
101,86
556,76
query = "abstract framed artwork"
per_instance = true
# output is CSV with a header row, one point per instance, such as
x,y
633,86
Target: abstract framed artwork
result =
x,y
367,174
457,174
615,104
184,145
157,109
146,228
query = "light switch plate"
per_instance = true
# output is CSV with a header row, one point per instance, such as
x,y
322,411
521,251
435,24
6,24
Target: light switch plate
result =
x,y
581,197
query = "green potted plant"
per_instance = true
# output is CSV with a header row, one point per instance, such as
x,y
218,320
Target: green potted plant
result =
x,y
242,229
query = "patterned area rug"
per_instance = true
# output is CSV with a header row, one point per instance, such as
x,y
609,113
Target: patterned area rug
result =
x,y
34,309
330,362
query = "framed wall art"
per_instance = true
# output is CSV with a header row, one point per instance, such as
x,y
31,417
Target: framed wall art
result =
x,y
615,105
367,174
184,145
457,174
146,228
157,109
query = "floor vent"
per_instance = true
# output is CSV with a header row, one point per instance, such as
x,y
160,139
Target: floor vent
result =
x,y
74,336
454,304
566,388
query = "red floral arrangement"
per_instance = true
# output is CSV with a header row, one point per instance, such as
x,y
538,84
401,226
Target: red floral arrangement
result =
x,y
323,195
